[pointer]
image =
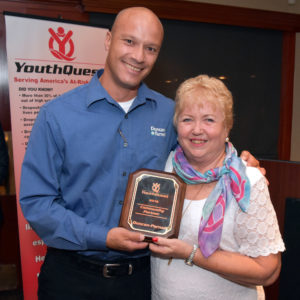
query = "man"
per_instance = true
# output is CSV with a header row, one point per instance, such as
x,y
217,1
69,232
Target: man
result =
x,y
82,148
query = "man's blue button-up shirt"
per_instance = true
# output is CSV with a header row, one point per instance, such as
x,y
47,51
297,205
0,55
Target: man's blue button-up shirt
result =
x,y
81,150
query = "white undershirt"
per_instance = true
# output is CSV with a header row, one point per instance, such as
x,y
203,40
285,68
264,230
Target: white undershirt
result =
x,y
126,105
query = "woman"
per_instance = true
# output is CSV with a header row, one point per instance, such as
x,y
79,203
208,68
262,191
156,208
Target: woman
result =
x,y
229,229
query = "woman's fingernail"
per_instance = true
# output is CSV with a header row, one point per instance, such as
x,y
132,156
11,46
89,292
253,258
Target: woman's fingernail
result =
x,y
154,239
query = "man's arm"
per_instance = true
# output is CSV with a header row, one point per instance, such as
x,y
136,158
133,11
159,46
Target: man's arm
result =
x,y
252,161
41,197
43,204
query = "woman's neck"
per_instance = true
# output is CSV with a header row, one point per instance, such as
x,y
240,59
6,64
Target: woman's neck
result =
x,y
199,191
205,165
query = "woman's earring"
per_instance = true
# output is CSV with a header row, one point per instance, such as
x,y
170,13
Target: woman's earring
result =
x,y
227,140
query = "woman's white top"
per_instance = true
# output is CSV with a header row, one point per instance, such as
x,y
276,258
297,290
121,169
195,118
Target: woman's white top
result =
x,y
254,233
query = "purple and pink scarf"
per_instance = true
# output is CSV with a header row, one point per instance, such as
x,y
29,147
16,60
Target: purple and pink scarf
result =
x,y
232,183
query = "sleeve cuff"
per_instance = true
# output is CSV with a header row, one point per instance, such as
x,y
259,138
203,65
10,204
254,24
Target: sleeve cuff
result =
x,y
96,237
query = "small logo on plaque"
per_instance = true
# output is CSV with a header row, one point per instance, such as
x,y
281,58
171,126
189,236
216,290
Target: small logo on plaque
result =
x,y
155,187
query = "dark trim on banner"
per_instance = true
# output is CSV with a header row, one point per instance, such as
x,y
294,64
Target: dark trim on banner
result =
x,y
29,16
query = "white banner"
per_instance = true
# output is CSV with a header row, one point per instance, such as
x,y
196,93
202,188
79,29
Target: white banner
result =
x,y
45,59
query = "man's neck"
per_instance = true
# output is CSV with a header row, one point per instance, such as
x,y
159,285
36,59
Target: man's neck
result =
x,y
118,93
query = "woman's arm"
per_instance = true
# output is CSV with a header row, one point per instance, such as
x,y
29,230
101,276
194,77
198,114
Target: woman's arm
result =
x,y
233,266
261,270
255,264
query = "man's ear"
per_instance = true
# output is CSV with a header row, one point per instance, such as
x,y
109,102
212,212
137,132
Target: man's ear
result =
x,y
107,40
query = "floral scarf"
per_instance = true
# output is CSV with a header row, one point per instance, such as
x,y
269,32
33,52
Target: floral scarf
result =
x,y
232,183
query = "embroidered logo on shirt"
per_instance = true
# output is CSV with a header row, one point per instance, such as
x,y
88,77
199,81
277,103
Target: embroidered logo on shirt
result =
x,y
158,131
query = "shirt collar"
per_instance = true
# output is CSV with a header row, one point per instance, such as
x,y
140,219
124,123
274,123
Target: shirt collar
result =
x,y
96,92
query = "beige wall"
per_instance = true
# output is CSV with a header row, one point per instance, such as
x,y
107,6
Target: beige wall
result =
x,y
274,5
282,6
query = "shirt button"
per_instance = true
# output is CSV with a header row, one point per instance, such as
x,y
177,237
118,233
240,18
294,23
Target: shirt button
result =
x,y
124,173
121,202
125,145
126,116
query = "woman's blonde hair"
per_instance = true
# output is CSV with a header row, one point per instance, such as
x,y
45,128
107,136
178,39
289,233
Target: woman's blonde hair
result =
x,y
213,90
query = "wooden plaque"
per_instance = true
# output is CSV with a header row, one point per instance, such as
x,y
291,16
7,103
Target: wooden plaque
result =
x,y
153,203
